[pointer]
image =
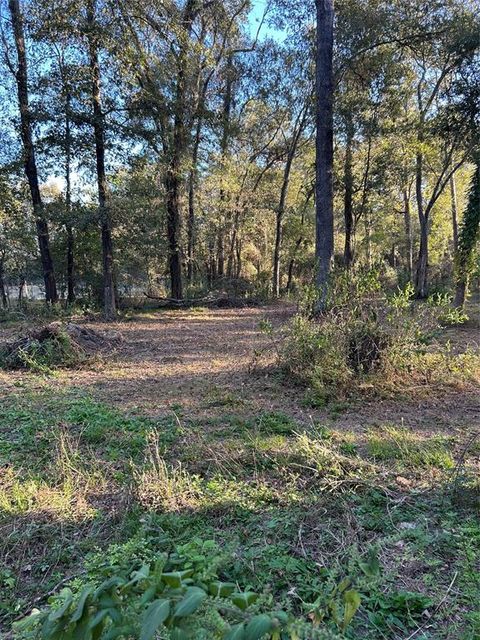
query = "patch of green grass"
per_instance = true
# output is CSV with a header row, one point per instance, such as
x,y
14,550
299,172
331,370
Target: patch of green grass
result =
x,y
275,422
398,444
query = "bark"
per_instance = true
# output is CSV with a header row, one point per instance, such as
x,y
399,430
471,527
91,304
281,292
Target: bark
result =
x,y
68,204
408,232
224,143
299,124
422,260
173,175
30,165
324,147
453,196
3,292
348,195
21,290
192,181
109,304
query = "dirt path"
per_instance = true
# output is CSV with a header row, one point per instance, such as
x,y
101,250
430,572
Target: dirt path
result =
x,y
200,363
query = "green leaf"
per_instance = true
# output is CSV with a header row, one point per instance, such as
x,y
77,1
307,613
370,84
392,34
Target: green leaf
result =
x,y
155,615
352,602
56,614
139,575
371,568
175,578
194,596
258,627
244,600
148,595
236,633
221,589
82,601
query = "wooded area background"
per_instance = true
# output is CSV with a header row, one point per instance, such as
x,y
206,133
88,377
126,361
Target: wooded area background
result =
x,y
180,147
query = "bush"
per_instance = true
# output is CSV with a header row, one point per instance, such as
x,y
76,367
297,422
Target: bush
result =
x,y
137,593
364,335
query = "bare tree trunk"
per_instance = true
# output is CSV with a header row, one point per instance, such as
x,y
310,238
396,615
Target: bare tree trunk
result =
x,y
3,293
368,237
109,304
298,128
21,291
421,277
324,147
279,221
173,176
68,204
239,257
192,181
408,232
348,196
30,165
227,106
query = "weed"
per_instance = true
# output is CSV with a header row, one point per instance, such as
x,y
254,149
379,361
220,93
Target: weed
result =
x,y
391,443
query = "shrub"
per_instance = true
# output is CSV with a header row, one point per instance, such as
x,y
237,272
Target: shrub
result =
x,y
364,335
176,594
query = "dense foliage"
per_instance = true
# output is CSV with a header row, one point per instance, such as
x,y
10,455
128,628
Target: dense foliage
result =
x,y
201,124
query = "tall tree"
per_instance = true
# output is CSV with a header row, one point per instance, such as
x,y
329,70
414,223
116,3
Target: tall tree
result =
x,y
109,304
324,146
30,165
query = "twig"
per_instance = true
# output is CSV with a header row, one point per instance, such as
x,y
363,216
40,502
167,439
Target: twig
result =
x,y
437,608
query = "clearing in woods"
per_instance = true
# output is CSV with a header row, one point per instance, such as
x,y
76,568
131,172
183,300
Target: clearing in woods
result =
x,y
297,494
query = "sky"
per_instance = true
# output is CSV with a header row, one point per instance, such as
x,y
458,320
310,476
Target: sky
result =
x,y
267,31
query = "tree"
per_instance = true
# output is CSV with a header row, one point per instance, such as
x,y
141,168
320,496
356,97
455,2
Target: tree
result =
x,y
30,165
324,146
109,304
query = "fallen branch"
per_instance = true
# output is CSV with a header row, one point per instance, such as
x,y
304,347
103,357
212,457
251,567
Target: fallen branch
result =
x,y
222,302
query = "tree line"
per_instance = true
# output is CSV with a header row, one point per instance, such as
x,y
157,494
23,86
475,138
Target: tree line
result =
x,y
180,144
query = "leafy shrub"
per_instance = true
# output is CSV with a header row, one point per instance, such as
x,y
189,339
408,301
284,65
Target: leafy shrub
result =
x,y
175,595
364,333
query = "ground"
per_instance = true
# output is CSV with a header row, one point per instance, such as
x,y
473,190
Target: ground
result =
x,y
298,494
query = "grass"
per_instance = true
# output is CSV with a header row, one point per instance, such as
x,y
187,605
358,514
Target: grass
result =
x,y
295,507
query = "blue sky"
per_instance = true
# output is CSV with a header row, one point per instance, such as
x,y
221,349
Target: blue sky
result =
x,y
256,14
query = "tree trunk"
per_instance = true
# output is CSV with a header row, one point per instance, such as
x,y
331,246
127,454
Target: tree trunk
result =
x,y
279,221
324,147
30,165
68,204
109,304
173,176
21,291
220,254
3,293
348,196
192,181
70,265
421,278
422,262
453,196
408,232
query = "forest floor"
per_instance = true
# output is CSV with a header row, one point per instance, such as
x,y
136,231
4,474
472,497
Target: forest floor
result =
x,y
298,495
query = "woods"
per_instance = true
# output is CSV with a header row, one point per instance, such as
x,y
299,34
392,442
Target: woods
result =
x,y
206,125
